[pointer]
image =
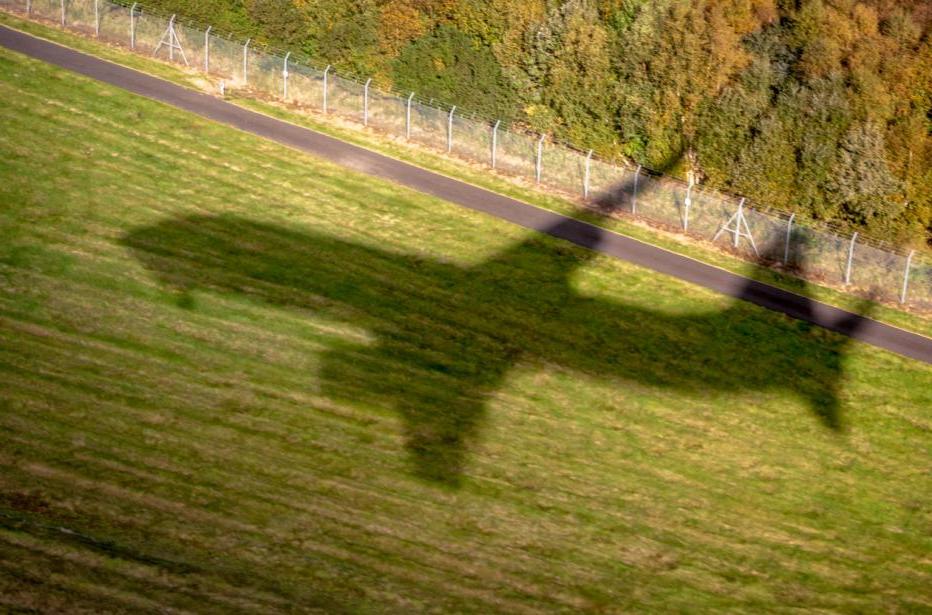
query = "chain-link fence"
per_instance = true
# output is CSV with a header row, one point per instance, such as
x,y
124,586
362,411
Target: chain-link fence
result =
x,y
815,252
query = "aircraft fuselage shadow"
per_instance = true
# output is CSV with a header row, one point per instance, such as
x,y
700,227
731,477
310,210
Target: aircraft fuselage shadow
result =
x,y
447,336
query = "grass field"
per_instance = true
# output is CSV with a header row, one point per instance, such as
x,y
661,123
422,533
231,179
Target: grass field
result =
x,y
454,167
235,378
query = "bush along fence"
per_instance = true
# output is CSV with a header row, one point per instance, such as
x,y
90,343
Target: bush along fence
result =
x,y
817,252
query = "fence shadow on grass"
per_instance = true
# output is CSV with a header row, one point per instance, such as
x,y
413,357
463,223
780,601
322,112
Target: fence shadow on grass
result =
x,y
447,336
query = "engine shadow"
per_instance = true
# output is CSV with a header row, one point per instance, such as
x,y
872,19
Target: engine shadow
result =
x,y
447,336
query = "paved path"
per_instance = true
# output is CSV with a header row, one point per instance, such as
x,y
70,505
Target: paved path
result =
x,y
619,246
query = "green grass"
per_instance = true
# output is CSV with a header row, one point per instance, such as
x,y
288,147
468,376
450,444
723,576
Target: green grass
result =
x,y
918,322
236,378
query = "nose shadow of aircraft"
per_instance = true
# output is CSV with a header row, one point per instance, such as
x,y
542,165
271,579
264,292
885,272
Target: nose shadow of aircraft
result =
x,y
447,336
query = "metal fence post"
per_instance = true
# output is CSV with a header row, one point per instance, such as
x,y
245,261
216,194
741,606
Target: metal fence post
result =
x,y
585,183
789,231
326,73
634,198
96,19
450,130
245,58
687,202
29,7
132,26
365,102
854,238
540,152
207,49
738,220
171,39
909,259
495,141
285,78
408,117
62,13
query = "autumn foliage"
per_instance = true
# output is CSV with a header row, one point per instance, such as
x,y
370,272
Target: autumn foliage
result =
x,y
822,107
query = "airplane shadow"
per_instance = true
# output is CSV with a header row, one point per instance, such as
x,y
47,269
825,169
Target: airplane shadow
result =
x,y
447,336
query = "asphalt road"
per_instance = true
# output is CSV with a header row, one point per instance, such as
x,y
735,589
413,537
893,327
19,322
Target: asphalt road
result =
x,y
528,216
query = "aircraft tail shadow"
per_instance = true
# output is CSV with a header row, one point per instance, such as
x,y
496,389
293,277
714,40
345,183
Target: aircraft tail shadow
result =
x,y
824,398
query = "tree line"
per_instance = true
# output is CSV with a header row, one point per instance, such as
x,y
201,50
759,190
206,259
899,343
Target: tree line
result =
x,y
820,107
